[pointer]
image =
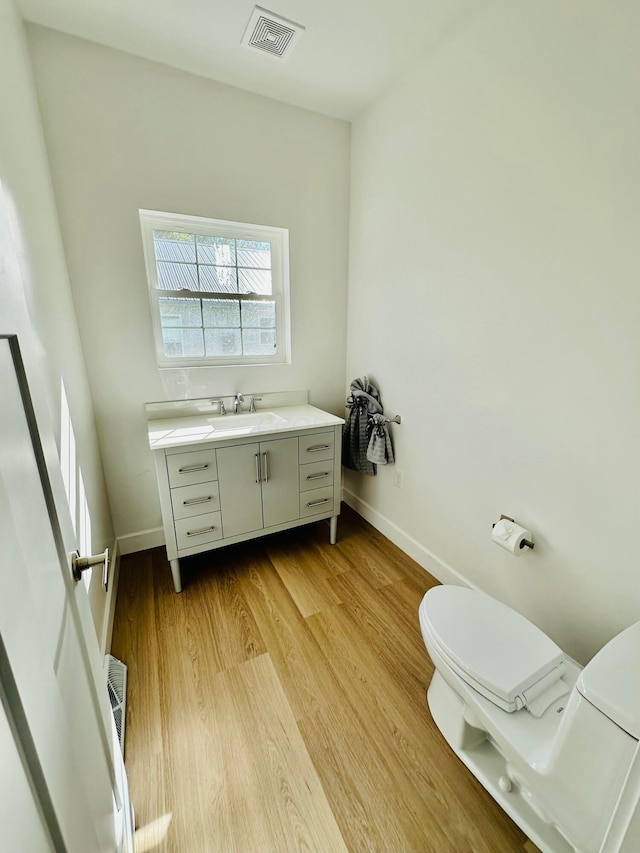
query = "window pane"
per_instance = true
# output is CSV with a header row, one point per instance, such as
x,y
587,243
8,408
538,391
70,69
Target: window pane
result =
x,y
260,315
216,250
180,312
218,279
258,341
255,281
252,253
222,341
183,343
174,246
222,313
177,276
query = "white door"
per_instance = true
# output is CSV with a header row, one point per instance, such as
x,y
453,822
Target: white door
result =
x,y
19,813
55,707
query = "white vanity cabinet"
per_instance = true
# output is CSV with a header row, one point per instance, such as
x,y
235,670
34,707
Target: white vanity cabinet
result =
x,y
215,493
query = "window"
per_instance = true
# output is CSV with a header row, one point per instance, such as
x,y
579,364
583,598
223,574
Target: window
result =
x,y
219,290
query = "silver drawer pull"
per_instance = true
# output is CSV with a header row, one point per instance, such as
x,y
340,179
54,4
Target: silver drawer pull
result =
x,y
258,472
192,501
189,468
201,531
317,447
265,467
317,503
318,476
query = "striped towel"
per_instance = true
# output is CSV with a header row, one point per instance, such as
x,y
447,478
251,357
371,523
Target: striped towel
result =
x,y
379,450
363,401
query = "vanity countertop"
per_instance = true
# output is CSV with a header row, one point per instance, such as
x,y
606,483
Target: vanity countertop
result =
x,y
198,429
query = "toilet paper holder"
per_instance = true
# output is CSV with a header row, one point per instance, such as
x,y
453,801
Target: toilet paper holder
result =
x,y
525,542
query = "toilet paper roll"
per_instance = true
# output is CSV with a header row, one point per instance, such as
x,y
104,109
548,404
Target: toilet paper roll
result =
x,y
510,536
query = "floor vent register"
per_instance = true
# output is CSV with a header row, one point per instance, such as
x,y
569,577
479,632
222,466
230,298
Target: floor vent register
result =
x,y
117,686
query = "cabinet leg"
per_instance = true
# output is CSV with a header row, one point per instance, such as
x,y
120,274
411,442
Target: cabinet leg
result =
x,y
333,529
177,577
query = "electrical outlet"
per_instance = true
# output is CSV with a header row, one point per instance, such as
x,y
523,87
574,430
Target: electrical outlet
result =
x,y
397,479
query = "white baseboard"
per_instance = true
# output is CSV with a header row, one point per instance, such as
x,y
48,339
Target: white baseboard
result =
x,y
110,604
141,541
429,561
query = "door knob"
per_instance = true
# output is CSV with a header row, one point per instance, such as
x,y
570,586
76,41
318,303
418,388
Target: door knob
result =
x,y
81,564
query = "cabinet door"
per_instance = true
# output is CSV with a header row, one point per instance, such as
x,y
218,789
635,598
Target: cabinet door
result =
x,y
280,489
240,494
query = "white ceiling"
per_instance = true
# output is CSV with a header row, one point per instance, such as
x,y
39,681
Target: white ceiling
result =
x,y
350,52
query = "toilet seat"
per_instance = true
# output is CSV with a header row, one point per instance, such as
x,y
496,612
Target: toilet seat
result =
x,y
497,651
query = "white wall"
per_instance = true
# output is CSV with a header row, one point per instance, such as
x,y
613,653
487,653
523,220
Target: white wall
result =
x,y
35,296
124,133
494,298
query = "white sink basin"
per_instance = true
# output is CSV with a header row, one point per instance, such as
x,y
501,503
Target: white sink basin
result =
x,y
247,420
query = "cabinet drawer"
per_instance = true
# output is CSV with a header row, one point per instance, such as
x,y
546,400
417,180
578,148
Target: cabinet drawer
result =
x,y
198,530
317,500
313,475
195,500
315,448
194,466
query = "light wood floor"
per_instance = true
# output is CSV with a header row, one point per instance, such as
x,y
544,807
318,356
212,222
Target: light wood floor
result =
x,y
278,704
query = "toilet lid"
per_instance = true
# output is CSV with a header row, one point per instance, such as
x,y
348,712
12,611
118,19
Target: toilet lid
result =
x,y
489,645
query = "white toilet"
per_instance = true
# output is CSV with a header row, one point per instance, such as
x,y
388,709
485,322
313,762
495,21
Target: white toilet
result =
x,y
556,745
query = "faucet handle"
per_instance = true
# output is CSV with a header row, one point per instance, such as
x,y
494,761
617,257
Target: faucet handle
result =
x,y
220,404
252,406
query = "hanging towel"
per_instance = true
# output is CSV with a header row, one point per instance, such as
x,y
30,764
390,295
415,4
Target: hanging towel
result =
x,y
379,450
364,400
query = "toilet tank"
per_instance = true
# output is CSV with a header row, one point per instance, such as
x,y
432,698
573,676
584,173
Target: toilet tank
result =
x,y
590,787
580,788
611,681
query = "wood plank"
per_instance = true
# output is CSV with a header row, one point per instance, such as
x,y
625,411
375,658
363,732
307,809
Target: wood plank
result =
x,y
355,777
276,801
369,612
371,551
212,612
403,598
296,561
305,677
134,642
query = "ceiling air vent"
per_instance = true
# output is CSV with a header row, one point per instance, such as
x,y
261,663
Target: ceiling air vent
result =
x,y
271,34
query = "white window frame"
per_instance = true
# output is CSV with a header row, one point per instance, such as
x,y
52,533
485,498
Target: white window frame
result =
x,y
151,220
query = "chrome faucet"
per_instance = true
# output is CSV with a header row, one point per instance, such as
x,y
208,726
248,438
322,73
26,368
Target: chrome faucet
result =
x,y
236,403
220,404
